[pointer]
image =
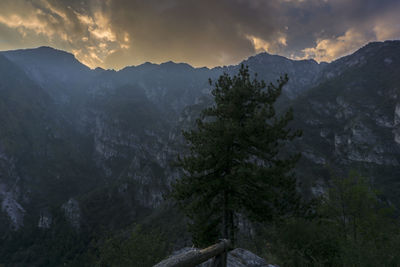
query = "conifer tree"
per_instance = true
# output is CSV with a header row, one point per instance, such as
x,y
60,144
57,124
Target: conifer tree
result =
x,y
235,163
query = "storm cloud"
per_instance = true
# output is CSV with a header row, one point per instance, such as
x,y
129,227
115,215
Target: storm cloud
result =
x,y
117,33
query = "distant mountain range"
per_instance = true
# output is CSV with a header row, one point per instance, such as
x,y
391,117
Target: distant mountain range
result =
x,y
95,147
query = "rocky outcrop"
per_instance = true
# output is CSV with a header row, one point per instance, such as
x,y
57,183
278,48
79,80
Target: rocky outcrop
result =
x,y
11,207
45,220
10,192
236,258
72,213
396,123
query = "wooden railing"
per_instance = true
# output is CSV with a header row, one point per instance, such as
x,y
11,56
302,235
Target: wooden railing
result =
x,y
195,257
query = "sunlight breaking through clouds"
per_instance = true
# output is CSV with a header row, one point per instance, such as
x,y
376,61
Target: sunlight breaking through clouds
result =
x,y
380,29
261,45
330,49
86,33
116,33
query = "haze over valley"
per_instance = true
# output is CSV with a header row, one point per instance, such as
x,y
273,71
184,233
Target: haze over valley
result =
x,y
135,130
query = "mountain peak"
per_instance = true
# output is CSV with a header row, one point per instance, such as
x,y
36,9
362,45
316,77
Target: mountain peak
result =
x,y
374,46
45,57
174,65
41,51
372,50
382,44
44,47
46,63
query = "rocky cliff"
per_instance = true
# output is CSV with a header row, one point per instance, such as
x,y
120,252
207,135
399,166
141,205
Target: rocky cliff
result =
x,y
90,143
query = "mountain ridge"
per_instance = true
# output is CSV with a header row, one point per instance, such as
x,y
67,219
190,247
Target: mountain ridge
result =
x,y
59,52
64,53
93,148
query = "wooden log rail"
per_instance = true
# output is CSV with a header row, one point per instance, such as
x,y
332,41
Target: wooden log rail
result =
x,y
196,257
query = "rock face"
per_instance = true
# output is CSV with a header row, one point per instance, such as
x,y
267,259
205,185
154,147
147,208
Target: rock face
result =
x,y
91,143
396,124
243,258
72,213
10,192
45,221
12,208
87,129
303,74
350,120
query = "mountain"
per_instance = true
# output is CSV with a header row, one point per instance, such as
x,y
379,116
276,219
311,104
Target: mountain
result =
x,y
42,154
48,65
351,119
85,150
23,108
303,74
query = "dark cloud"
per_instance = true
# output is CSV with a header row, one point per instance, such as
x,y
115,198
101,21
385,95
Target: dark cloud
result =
x,y
116,33
208,32
345,25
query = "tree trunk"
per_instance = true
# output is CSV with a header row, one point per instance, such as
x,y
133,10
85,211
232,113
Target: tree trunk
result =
x,y
231,228
226,216
193,258
220,260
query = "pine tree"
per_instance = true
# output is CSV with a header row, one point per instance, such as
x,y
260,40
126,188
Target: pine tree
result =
x,y
235,163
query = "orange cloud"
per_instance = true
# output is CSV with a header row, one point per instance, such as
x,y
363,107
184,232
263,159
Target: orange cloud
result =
x,y
25,23
261,45
330,49
88,34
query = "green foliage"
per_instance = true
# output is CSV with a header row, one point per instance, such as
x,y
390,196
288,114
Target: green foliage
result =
x,y
351,227
235,164
140,248
56,246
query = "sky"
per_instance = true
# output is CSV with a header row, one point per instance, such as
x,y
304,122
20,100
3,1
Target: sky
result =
x,y
118,33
